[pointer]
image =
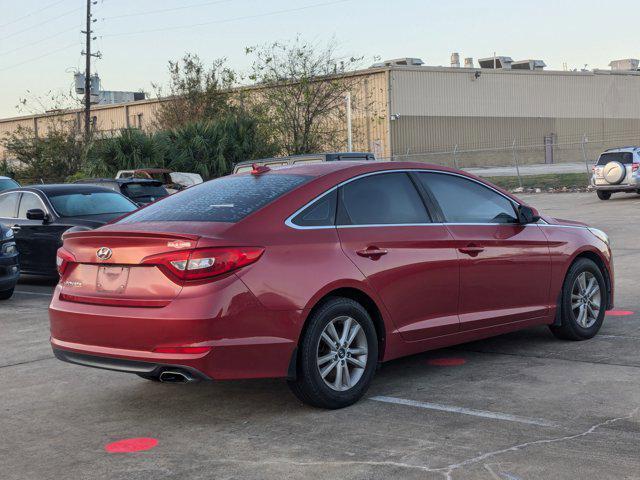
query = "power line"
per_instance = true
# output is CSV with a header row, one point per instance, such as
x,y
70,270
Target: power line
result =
x,y
228,20
31,13
74,44
39,24
164,10
21,47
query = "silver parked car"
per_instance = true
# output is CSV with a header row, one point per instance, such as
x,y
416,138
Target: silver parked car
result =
x,y
617,171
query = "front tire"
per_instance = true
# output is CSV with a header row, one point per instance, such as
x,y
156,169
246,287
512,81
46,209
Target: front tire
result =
x,y
338,354
602,195
583,302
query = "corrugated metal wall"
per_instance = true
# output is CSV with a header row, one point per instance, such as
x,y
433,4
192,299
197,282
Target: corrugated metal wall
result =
x,y
443,109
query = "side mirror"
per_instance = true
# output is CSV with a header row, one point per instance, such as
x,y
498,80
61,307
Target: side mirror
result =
x,y
37,214
527,215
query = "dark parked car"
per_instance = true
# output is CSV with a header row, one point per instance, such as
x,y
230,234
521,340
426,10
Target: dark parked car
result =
x,y
7,183
141,190
9,269
40,214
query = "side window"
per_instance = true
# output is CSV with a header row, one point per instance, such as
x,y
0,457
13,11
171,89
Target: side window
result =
x,y
381,199
465,201
29,201
8,205
320,213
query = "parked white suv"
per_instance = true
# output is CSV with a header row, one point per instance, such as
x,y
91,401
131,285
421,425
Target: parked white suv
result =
x,y
617,171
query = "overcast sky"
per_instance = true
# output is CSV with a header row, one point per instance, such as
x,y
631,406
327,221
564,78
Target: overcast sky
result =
x,y
40,42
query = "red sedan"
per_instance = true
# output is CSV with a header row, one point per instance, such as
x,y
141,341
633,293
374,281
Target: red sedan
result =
x,y
317,273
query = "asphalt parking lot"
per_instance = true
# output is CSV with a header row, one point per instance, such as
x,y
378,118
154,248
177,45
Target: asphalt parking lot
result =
x,y
519,406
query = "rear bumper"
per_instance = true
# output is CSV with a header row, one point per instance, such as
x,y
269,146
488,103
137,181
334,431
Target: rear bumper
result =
x,y
123,365
628,185
9,272
246,339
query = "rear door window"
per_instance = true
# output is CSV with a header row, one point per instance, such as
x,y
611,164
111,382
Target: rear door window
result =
x,y
226,199
626,158
9,205
381,199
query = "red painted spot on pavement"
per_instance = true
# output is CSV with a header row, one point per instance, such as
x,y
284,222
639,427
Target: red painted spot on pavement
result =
x,y
447,362
129,445
619,313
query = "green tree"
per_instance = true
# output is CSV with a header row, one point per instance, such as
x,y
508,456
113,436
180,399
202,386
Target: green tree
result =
x,y
195,92
129,149
302,103
51,157
211,148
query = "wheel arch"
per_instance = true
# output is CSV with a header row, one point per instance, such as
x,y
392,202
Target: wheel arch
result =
x,y
356,294
596,258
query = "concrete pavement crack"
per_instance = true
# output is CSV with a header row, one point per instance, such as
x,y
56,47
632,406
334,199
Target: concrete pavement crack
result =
x,y
448,470
26,362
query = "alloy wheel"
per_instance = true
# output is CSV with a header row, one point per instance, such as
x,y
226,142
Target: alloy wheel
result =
x,y
342,353
585,299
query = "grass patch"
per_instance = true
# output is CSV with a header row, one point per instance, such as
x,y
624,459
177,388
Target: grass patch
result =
x,y
547,181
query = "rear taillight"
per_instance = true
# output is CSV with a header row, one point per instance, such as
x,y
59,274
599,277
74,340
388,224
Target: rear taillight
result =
x,y
635,166
63,258
205,263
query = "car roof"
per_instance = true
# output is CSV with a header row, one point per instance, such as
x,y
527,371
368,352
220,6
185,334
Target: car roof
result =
x,y
119,181
359,166
621,149
63,188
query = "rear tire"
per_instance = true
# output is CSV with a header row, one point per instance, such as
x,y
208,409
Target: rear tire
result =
x,y
602,195
582,310
6,294
347,360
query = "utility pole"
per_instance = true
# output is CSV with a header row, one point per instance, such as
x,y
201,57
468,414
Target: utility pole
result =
x,y
87,71
347,100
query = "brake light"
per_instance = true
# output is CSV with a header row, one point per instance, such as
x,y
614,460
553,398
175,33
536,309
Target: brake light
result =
x,y
63,258
635,166
205,263
182,350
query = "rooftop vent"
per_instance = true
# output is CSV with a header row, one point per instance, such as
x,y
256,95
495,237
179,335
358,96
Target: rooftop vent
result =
x,y
626,64
528,65
455,60
404,62
496,62
468,62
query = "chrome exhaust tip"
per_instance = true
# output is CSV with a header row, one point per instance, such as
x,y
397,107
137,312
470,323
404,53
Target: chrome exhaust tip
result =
x,y
175,376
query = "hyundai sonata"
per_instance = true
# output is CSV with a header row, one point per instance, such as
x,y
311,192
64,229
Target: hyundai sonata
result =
x,y
317,273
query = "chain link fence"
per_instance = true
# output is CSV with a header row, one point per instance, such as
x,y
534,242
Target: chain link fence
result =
x,y
518,160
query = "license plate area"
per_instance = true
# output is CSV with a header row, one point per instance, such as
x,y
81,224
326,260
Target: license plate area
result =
x,y
112,279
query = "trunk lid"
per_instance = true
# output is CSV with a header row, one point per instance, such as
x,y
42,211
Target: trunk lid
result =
x,y
108,268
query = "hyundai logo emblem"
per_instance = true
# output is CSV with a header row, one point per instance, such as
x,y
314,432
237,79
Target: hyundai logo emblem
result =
x,y
104,253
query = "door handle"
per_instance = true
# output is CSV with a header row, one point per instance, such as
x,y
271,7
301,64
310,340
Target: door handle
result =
x,y
372,252
471,250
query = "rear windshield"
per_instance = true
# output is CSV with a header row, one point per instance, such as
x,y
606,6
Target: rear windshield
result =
x,y
143,192
226,199
623,157
95,203
7,183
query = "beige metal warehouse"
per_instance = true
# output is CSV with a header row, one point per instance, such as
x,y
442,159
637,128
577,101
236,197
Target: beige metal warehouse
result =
x,y
468,116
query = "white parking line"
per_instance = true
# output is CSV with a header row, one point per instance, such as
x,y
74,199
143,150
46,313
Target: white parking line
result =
x,y
466,411
34,293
